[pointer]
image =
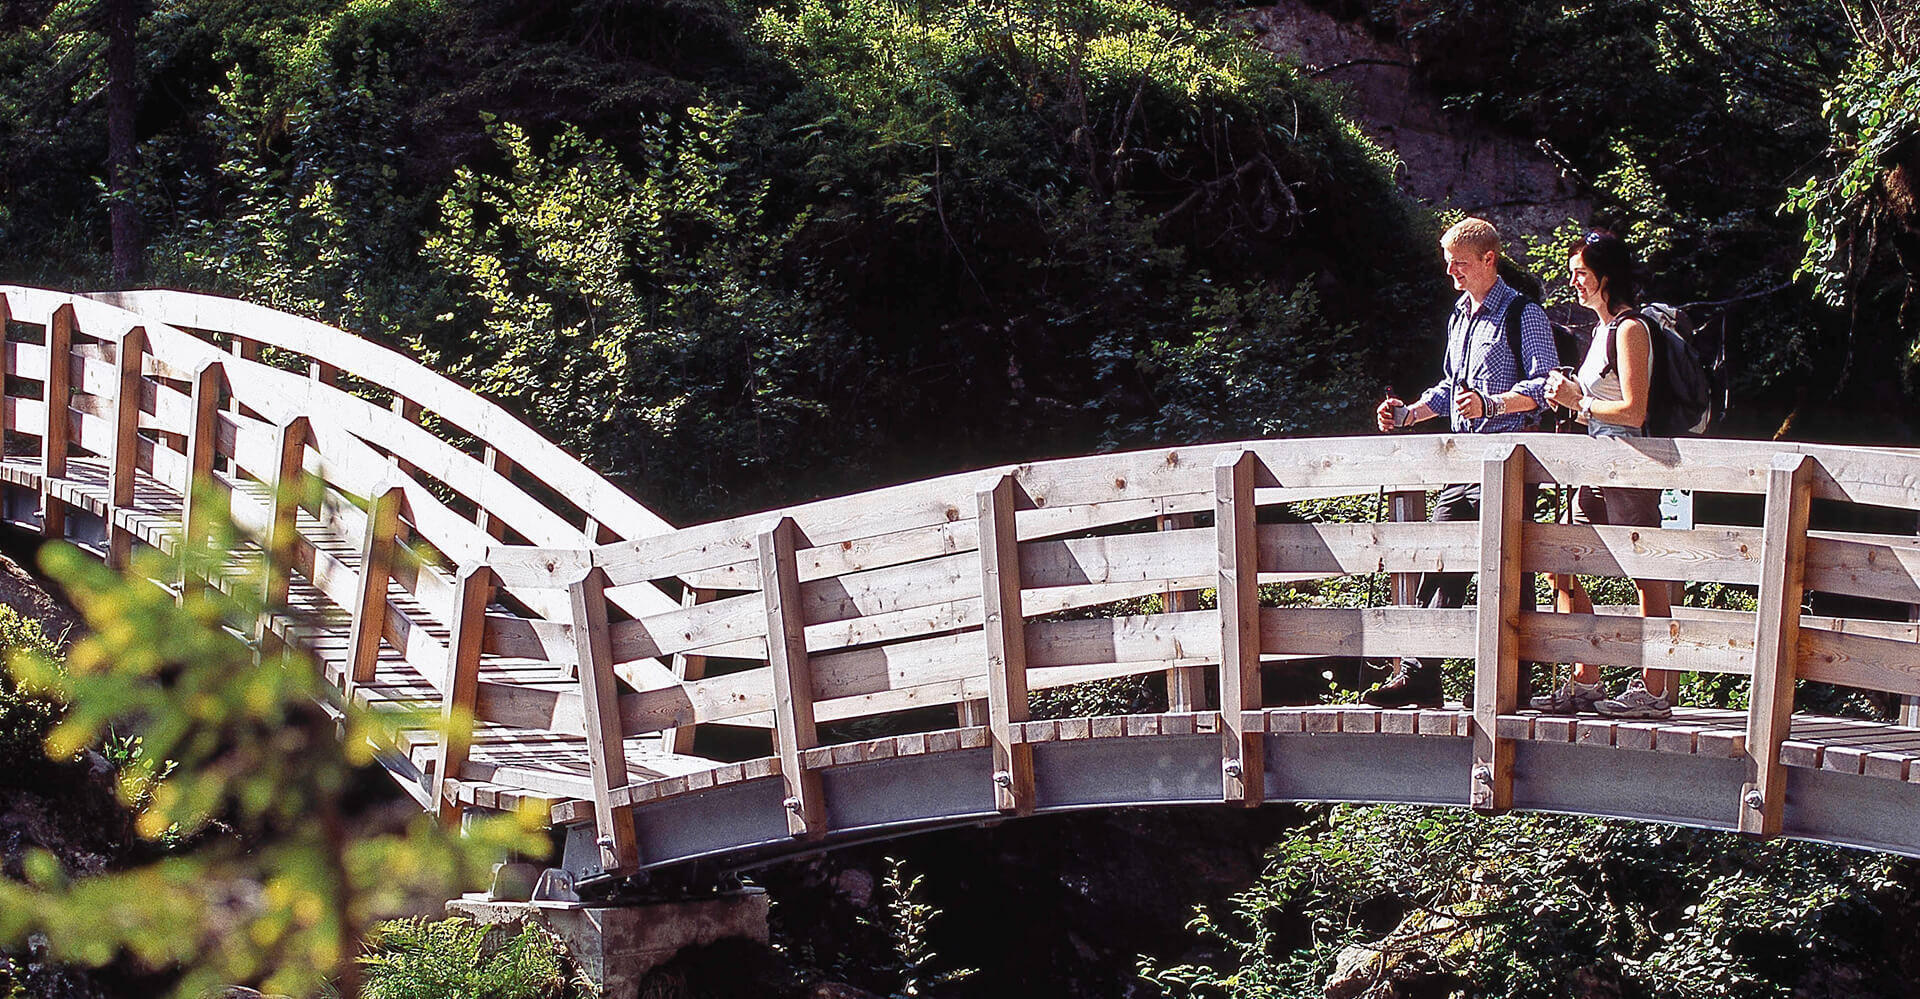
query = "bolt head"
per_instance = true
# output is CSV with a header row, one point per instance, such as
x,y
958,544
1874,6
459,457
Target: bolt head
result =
x,y
1755,800
1233,769
1003,778
792,804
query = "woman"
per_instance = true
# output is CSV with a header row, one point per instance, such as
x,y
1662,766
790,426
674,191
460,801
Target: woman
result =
x,y
1610,393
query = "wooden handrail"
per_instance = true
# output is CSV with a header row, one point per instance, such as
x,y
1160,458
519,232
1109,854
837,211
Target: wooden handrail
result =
x,y
945,591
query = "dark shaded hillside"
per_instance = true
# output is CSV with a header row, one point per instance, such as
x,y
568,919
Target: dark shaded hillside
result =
x,y
806,248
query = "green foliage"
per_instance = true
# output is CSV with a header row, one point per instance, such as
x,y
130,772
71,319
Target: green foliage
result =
x,y
277,880
1873,119
418,959
1540,905
1101,194
304,209
25,716
909,921
635,312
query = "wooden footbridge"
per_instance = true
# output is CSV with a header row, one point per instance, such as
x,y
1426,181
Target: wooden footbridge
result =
x,y
860,667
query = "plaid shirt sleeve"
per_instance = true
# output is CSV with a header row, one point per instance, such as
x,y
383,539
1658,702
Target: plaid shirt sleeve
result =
x,y
1539,355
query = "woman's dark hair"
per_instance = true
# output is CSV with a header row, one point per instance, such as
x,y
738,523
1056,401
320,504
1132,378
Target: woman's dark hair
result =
x,y
1611,262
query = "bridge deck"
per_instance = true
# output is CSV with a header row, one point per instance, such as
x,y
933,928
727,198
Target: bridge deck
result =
x,y
473,569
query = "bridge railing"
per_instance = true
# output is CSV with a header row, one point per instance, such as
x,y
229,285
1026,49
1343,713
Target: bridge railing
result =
x,y
963,593
901,598
373,516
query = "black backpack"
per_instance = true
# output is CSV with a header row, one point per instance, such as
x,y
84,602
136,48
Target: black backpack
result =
x,y
1680,396
1565,344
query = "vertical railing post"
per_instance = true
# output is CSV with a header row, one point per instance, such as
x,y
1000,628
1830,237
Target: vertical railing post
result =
x,y
600,702
282,538
1004,625
1406,506
58,394
1776,641
502,466
1186,685
409,411
6,368
1242,747
1496,671
1910,705
461,691
322,372
376,570
121,474
201,488
686,666
245,350
794,731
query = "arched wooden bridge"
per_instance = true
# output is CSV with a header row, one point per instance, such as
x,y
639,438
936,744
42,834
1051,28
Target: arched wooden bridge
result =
x,y
880,648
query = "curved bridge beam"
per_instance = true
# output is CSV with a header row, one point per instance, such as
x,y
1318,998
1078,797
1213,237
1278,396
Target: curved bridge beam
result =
x,y
721,691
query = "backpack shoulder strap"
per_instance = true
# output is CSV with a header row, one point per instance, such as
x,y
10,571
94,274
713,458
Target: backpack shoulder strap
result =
x,y
1516,307
1612,334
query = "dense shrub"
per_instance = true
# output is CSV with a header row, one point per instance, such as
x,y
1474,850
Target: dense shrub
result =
x,y
25,716
412,958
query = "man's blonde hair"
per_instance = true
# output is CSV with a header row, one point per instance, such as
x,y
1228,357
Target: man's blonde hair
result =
x,y
1476,236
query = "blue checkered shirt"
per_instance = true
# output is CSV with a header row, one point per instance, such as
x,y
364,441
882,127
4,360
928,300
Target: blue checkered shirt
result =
x,y
1477,354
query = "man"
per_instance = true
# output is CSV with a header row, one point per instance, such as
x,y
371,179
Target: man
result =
x,y
1485,390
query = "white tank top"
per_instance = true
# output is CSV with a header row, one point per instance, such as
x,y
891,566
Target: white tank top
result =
x,y
1605,388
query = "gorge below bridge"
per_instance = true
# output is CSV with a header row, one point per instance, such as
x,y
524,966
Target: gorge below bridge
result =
x,y
874,653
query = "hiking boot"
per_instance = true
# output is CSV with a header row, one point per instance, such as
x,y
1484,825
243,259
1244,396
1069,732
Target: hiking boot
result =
x,y
1635,702
1414,684
1570,698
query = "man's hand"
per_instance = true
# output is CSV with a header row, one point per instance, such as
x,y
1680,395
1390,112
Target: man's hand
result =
x,y
1469,403
1383,414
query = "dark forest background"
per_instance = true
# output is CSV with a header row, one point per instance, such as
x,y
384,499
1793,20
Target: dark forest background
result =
x,y
738,254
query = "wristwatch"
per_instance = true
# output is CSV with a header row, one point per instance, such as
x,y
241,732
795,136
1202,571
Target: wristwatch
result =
x,y
1586,408
1496,406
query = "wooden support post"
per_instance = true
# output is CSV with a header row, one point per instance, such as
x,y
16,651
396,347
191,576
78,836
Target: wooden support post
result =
x,y
1405,507
600,700
279,544
1186,685
1909,704
201,487
461,690
686,666
973,712
1003,622
1776,641
1496,671
58,394
794,731
501,465
376,570
1242,752
409,411
322,372
121,472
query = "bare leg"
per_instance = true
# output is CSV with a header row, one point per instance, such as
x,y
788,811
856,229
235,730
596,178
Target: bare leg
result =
x,y
1656,600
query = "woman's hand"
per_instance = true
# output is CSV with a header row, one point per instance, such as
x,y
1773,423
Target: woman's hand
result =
x,y
1563,391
